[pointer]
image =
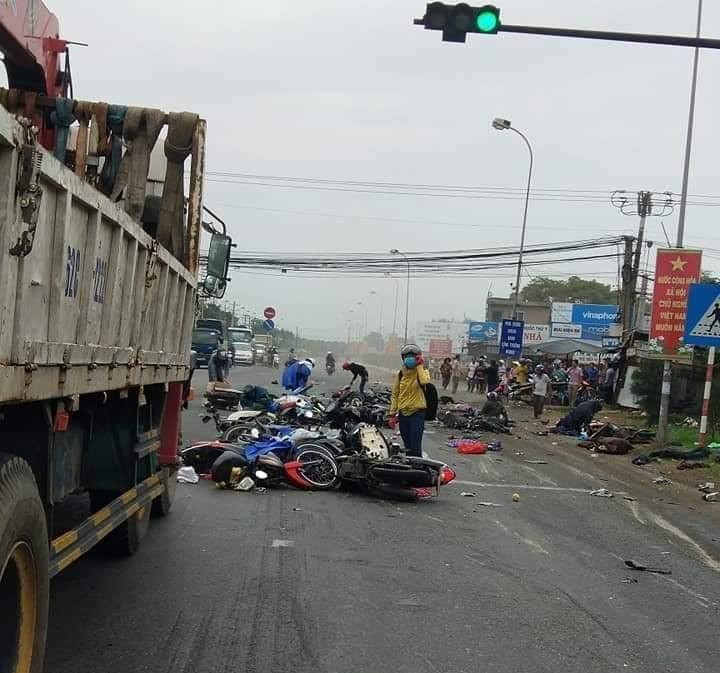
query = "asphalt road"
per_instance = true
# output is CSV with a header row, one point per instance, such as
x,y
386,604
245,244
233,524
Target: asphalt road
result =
x,y
337,583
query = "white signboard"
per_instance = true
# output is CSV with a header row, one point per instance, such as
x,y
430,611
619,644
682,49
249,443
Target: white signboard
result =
x,y
454,331
561,312
535,334
562,331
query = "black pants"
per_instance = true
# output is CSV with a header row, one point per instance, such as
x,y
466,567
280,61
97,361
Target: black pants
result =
x,y
538,405
363,383
411,431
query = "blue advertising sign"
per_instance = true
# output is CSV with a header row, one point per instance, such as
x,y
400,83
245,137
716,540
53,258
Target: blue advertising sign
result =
x,y
594,332
483,332
269,325
511,337
702,321
595,314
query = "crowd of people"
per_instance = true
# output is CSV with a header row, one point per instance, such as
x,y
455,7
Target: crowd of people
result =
x,y
482,375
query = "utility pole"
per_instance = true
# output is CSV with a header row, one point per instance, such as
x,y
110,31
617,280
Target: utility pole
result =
x,y
667,367
643,207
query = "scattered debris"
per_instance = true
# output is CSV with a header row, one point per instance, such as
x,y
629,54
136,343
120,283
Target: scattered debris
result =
x,y
691,465
707,487
661,480
711,497
536,462
187,475
245,484
260,490
629,498
634,565
629,580
298,509
489,504
541,433
516,497
468,494
601,493
518,453
690,423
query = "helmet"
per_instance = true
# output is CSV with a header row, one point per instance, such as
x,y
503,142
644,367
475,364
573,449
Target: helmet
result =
x,y
311,361
222,354
557,362
539,368
346,365
501,362
410,349
329,352
492,396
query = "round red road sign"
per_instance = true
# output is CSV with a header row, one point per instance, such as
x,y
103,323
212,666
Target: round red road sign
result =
x,y
269,312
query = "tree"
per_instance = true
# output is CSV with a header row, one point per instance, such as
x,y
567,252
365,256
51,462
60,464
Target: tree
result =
x,y
574,289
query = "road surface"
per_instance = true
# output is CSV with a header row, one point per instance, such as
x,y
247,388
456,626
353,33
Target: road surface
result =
x,y
336,583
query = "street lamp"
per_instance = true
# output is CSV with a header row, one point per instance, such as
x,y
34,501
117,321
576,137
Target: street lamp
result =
x,y
380,301
360,303
395,251
505,125
397,290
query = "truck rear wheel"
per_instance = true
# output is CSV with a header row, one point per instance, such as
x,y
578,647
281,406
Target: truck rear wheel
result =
x,y
125,539
24,566
163,503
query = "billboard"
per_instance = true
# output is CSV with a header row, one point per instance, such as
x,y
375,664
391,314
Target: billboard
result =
x,y
456,332
440,348
535,334
565,331
484,332
675,270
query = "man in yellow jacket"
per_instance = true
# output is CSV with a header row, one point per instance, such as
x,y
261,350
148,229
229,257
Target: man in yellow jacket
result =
x,y
408,403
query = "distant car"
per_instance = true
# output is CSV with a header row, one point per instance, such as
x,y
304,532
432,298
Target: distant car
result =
x,y
244,354
204,343
260,352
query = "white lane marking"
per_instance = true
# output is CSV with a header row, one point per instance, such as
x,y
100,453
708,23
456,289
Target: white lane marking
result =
x,y
531,487
283,543
530,543
702,600
706,558
633,507
433,518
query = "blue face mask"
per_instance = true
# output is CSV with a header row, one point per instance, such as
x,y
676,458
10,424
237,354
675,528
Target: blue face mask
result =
x,y
410,361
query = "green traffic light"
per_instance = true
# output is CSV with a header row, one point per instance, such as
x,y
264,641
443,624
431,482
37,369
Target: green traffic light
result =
x,y
487,21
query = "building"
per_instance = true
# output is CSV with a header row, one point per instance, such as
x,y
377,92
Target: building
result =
x,y
499,308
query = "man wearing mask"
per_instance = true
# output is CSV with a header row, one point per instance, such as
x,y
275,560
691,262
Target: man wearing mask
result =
x,y
408,405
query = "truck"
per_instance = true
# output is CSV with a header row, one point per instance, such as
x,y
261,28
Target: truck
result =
x,y
97,304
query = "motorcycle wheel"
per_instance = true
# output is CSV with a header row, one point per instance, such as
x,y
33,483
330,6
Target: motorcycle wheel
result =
x,y
319,467
238,434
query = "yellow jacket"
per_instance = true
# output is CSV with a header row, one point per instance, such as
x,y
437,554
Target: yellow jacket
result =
x,y
407,396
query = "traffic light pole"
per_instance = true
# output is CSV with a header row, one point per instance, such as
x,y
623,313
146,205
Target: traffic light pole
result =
x,y
646,38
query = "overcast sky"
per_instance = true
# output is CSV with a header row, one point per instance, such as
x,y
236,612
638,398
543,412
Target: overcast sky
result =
x,y
354,91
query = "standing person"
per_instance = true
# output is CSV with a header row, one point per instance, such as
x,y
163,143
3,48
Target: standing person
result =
x,y
358,371
592,375
492,376
521,372
575,376
609,388
541,387
502,372
480,370
408,405
471,375
434,369
445,373
456,373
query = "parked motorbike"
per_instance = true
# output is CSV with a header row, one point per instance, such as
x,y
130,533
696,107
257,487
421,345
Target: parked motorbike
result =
x,y
276,361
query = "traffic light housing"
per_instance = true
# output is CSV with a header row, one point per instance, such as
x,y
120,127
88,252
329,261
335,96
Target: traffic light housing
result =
x,y
456,21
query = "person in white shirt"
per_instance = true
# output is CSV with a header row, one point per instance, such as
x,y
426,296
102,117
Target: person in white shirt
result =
x,y
541,387
471,376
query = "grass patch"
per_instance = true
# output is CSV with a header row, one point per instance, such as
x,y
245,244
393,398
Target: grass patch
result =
x,y
682,436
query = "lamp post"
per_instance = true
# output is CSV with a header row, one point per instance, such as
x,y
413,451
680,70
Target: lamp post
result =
x,y
380,302
505,125
397,290
395,251
364,305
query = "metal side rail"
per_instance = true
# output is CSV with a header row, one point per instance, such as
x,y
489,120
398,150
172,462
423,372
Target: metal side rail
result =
x,y
70,546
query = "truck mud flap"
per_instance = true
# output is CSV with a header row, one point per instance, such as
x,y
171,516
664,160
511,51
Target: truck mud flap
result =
x,y
70,546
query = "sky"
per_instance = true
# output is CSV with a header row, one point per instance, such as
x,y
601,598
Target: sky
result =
x,y
354,91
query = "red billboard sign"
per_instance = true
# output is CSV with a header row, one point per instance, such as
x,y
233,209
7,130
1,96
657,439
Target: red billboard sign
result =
x,y
440,348
675,270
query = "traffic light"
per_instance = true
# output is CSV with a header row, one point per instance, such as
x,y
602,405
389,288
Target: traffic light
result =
x,y
456,21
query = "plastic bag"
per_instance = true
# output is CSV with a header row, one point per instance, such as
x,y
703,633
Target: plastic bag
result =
x,y
471,446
